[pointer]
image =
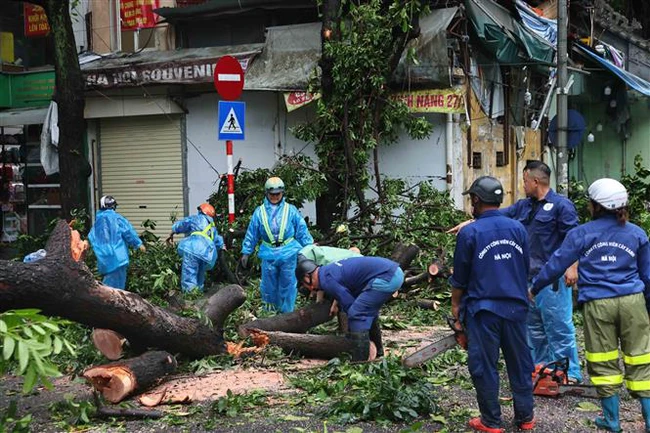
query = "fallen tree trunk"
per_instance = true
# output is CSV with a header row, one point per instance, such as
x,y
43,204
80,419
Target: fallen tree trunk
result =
x,y
313,346
59,285
118,380
428,304
404,254
299,321
221,304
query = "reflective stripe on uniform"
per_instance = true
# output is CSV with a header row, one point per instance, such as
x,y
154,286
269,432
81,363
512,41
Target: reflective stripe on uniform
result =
x,y
602,356
616,379
283,226
205,232
637,385
637,360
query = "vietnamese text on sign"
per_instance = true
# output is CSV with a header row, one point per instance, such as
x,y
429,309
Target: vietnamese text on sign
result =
x,y
138,14
433,101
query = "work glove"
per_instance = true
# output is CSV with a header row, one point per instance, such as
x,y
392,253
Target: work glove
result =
x,y
244,261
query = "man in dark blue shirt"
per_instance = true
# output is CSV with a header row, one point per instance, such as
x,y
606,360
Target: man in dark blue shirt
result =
x,y
490,297
360,285
547,217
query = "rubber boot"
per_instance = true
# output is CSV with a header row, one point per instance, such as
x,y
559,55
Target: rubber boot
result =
x,y
375,337
645,410
609,421
361,345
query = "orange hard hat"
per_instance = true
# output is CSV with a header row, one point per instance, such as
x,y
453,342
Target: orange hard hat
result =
x,y
207,209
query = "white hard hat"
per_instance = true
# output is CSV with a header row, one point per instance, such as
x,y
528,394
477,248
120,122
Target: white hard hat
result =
x,y
609,193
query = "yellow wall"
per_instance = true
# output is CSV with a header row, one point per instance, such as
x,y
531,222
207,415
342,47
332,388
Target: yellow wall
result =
x,y
487,137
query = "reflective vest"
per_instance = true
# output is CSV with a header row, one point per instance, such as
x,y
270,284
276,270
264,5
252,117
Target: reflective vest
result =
x,y
283,227
206,232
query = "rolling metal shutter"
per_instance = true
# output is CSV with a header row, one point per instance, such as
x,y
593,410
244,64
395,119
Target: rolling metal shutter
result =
x,y
141,166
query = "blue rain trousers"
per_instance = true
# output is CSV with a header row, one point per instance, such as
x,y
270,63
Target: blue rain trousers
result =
x,y
550,327
279,285
192,273
487,333
365,308
117,278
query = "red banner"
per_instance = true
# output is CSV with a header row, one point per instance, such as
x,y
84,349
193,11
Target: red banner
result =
x,y
35,21
138,14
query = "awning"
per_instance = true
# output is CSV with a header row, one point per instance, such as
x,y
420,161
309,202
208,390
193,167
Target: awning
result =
x,y
184,66
502,35
23,116
636,83
213,8
288,60
430,50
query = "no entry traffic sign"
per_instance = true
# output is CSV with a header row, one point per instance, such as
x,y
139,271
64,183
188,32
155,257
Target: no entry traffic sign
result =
x,y
228,78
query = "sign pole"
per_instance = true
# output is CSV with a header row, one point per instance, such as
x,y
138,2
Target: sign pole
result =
x,y
229,82
231,183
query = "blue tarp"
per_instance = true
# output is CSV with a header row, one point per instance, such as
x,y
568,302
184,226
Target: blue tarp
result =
x,y
636,83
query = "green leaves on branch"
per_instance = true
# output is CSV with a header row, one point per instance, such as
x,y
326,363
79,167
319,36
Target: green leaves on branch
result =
x,y
29,340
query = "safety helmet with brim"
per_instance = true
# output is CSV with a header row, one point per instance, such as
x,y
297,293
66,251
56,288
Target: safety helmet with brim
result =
x,y
488,189
609,193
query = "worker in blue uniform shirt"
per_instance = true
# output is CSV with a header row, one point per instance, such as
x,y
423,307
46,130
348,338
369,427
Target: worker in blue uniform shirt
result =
x,y
360,285
547,217
613,273
490,298
200,249
283,232
110,236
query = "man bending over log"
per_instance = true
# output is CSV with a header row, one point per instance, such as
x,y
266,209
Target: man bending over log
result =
x,y
361,285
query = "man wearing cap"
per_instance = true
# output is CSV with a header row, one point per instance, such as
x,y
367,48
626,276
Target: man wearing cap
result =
x,y
547,217
489,297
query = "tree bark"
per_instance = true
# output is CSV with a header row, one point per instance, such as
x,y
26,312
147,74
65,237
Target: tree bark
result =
x,y
299,321
73,165
118,380
222,303
312,346
404,254
60,286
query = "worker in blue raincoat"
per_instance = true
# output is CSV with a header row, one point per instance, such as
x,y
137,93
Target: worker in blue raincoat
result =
x,y
360,285
490,298
283,232
200,249
110,237
547,217
613,274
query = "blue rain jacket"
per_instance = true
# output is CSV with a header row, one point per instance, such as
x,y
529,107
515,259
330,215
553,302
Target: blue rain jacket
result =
x,y
203,243
109,237
614,260
547,222
347,279
491,265
278,252
296,234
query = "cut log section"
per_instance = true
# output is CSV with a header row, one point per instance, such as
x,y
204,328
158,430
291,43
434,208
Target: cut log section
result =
x,y
404,254
60,286
299,321
118,380
109,343
313,346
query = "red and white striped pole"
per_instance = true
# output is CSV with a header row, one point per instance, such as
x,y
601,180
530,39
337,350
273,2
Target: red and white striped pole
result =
x,y
231,183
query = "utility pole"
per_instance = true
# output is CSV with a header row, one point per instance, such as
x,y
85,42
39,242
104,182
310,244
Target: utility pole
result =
x,y
562,160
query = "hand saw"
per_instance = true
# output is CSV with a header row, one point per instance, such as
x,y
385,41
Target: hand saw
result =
x,y
437,347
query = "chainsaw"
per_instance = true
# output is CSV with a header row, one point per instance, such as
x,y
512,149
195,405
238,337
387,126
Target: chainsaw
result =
x,y
552,380
437,347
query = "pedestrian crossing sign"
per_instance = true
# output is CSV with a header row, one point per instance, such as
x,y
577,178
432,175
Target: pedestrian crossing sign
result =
x,y
231,120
